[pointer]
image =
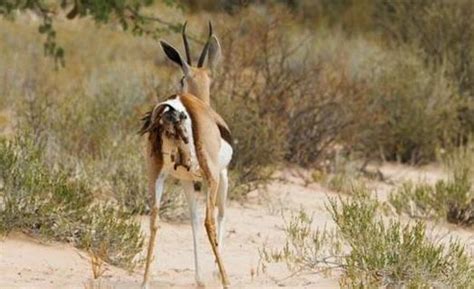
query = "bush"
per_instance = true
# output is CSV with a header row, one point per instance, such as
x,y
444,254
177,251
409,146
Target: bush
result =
x,y
380,253
305,249
389,254
288,97
53,204
414,112
342,174
452,200
431,86
298,110
250,95
443,32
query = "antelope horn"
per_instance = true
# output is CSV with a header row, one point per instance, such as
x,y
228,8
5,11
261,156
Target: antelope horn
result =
x,y
206,47
186,44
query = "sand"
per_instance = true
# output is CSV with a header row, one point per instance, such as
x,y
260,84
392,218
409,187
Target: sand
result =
x,y
28,263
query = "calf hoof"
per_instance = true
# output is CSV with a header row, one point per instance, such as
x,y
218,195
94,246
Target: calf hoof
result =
x,y
199,282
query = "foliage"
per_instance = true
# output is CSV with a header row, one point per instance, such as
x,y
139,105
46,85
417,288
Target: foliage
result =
x,y
52,203
342,174
277,85
125,12
371,252
401,119
305,249
443,31
386,254
452,200
88,127
288,97
242,91
352,84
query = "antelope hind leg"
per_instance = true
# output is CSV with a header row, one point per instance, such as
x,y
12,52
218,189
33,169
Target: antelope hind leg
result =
x,y
210,225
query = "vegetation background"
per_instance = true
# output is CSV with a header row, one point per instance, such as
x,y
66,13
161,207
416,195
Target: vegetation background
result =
x,y
302,83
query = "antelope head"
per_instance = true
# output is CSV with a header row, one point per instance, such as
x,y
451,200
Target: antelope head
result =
x,y
196,79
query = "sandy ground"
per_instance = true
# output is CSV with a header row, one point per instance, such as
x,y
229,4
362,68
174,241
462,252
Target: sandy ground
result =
x,y
27,263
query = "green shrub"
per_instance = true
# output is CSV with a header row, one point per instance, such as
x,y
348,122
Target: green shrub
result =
x,y
257,148
342,174
452,200
53,204
287,97
250,98
389,254
443,33
415,112
305,249
113,233
369,251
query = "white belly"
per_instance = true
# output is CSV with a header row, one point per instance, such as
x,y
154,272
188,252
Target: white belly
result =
x,y
225,154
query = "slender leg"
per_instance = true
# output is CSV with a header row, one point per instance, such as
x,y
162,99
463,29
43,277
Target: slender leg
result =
x,y
210,225
221,203
156,198
195,219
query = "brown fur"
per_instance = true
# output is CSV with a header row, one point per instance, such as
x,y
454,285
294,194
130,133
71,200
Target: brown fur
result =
x,y
208,129
198,83
183,157
206,134
154,131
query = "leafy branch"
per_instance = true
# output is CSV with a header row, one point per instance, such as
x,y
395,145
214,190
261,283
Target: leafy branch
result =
x,y
128,13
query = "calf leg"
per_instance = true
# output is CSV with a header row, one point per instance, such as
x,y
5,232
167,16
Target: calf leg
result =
x,y
155,201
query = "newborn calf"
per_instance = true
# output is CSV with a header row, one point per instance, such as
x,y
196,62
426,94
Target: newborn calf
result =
x,y
173,127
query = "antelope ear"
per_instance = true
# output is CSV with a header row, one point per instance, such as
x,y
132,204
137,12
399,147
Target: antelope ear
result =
x,y
214,52
174,56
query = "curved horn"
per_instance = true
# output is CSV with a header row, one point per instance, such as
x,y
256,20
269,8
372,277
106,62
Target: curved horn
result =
x,y
206,47
186,44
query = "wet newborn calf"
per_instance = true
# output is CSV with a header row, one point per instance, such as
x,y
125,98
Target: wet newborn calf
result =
x,y
172,122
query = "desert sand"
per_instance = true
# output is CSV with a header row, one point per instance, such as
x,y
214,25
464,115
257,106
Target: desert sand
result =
x,y
28,263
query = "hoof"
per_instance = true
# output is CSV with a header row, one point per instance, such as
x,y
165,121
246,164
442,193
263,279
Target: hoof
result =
x,y
217,276
200,283
145,286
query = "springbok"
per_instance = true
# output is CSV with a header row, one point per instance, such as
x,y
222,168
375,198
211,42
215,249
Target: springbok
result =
x,y
208,143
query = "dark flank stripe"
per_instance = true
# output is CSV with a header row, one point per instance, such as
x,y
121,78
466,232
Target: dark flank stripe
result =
x,y
226,135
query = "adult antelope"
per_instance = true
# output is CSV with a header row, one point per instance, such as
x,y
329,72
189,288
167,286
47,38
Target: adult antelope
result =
x,y
209,144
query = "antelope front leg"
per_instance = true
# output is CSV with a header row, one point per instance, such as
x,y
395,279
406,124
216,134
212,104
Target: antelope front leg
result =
x,y
210,225
156,198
